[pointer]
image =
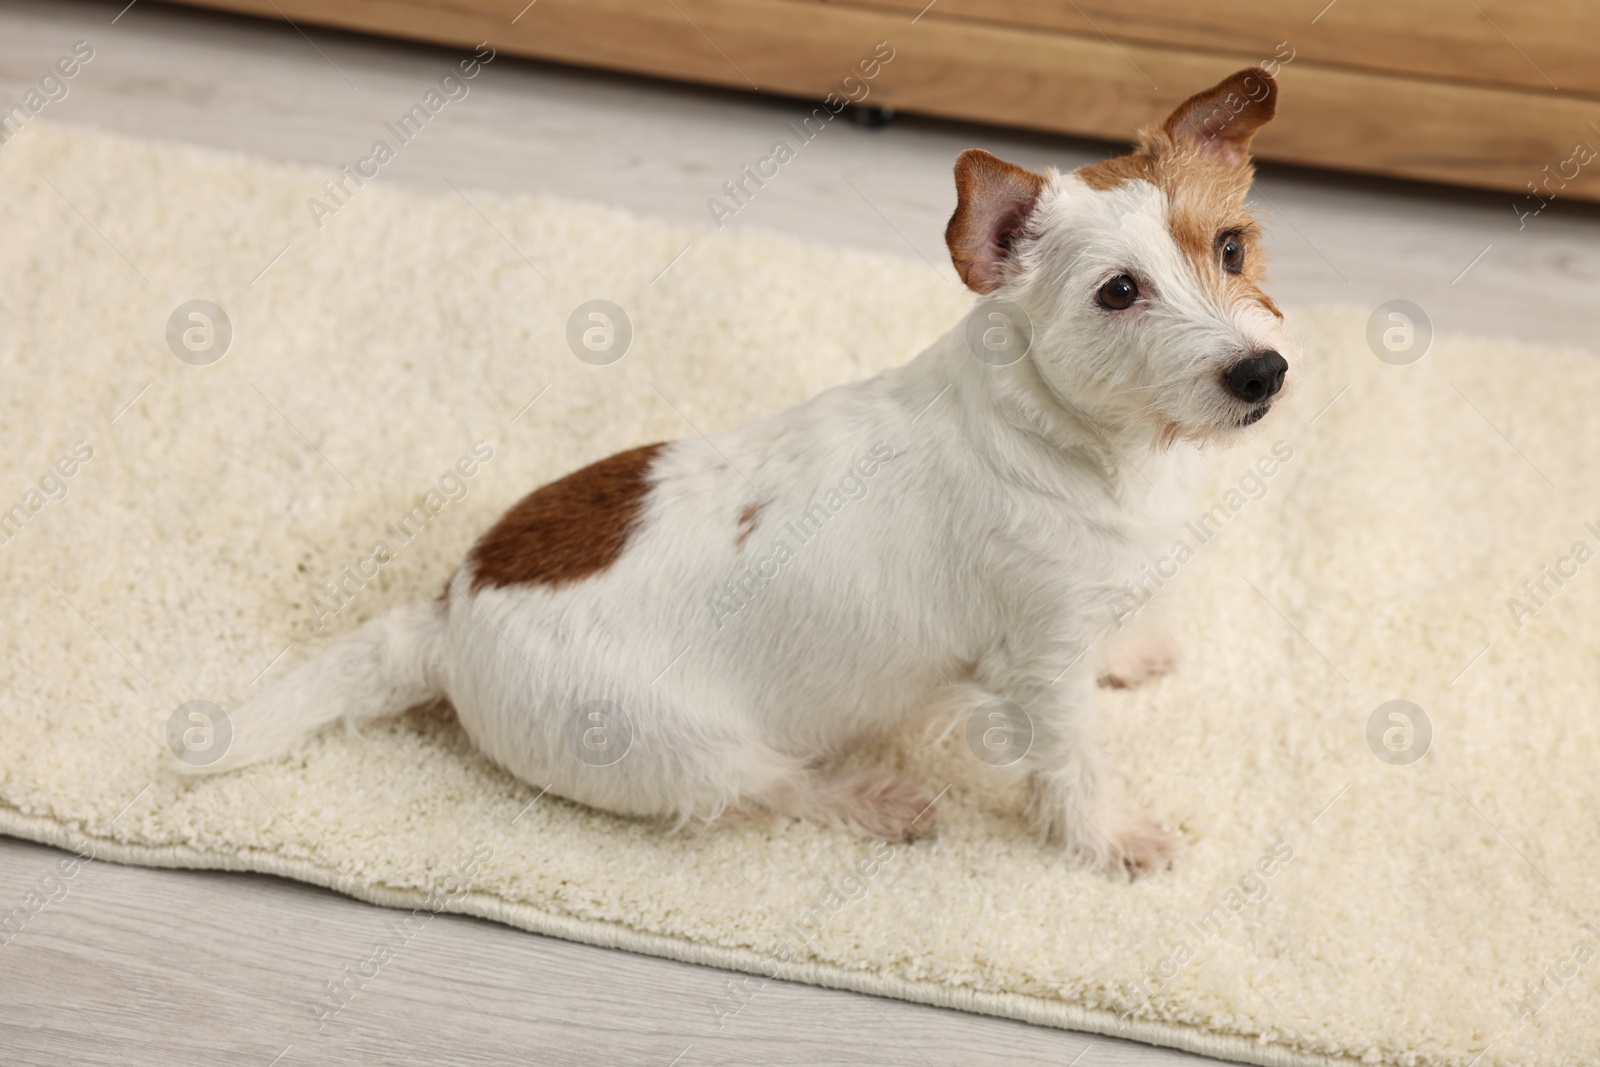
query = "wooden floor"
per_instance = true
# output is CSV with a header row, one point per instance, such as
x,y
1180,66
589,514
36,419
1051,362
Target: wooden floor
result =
x,y
138,966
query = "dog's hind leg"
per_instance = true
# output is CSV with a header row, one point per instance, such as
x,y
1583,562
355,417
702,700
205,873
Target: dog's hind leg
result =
x,y
873,803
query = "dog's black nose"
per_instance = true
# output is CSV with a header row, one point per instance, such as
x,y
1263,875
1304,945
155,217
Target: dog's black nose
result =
x,y
1257,378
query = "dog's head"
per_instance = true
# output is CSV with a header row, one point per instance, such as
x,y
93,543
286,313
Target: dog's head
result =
x,y
1140,274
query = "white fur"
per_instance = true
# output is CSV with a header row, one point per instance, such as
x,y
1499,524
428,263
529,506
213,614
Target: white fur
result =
x,y
981,562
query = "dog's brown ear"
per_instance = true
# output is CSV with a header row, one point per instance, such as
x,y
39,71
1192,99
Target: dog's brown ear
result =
x,y
1220,121
993,201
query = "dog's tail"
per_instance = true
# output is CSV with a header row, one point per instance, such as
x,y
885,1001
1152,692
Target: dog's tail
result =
x,y
381,668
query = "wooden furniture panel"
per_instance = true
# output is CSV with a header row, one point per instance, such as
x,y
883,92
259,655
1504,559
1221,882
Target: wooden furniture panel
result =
x,y
1545,45
952,64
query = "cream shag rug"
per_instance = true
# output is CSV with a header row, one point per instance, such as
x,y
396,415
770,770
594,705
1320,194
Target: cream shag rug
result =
x,y
1413,914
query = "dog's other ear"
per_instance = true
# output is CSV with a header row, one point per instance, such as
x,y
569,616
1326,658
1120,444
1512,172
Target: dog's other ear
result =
x,y
993,201
1220,121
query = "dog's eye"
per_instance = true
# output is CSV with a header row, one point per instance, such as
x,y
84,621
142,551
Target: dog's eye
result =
x,y
1119,293
1232,249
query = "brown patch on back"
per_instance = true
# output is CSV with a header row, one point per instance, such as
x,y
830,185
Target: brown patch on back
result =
x,y
1200,159
566,531
747,522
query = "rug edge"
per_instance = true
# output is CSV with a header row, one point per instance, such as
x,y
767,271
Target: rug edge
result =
x,y
1015,1006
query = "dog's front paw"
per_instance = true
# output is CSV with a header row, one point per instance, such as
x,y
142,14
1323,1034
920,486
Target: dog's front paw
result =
x,y
1126,844
1135,657
1104,835
1139,846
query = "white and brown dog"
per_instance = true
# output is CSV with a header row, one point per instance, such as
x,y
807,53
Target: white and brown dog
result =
x,y
1009,501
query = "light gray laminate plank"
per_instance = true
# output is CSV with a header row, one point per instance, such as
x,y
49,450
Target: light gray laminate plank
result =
x,y
155,967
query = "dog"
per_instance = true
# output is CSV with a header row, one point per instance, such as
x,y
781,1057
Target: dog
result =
x,y
707,626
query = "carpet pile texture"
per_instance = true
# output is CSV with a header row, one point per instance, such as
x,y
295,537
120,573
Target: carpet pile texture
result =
x,y
180,519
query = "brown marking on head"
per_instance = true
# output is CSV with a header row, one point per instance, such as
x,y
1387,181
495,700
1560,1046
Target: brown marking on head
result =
x,y
568,530
747,522
1200,158
993,201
